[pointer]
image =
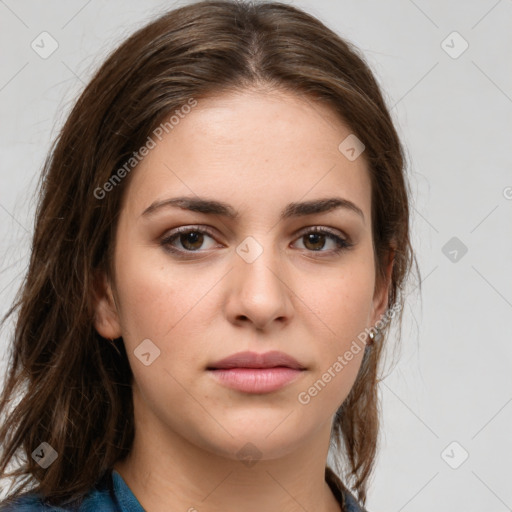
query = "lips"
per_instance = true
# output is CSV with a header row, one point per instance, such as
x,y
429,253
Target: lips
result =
x,y
251,372
271,359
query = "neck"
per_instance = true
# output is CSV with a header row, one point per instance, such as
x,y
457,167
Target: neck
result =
x,y
168,472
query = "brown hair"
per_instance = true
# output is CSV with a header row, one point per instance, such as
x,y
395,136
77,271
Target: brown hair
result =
x,y
73,387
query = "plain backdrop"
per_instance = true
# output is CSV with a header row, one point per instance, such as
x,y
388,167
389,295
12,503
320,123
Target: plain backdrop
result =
x,y
446,73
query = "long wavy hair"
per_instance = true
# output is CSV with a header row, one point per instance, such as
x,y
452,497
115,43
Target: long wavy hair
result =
x,y
66,385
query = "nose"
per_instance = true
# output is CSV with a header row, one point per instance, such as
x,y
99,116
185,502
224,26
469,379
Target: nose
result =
x,y
258,293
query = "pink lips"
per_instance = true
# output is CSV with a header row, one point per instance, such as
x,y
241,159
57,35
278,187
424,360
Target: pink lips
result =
x,y
251,372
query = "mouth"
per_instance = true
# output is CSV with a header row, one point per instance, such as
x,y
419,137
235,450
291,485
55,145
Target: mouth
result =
x,y
250,372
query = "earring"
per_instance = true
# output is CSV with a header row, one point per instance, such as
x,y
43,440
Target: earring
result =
x,y
374,336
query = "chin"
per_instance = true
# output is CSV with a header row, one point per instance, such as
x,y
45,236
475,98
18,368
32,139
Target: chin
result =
x,y
254,440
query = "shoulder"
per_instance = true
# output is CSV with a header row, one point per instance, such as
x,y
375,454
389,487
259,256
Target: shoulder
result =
x,y
98,498
34,503
351,504
28,503
346,499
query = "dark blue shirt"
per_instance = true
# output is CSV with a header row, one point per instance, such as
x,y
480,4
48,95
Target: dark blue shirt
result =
x,y
112,494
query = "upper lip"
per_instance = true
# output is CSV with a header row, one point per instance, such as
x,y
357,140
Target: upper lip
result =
x,y
256,360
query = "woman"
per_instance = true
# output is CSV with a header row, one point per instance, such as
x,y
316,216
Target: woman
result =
x,y
220,246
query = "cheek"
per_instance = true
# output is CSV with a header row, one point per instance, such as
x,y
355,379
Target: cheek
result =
x,y
342,300
163,302
339,311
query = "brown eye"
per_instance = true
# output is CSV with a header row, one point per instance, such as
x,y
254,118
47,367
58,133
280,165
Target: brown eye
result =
x,y
314,240
192,240
187,240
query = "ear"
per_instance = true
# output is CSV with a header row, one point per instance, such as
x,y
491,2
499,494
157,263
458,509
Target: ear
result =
x,y
380,298
106,317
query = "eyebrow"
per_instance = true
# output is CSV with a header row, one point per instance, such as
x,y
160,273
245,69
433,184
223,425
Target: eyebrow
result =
x,y
212,207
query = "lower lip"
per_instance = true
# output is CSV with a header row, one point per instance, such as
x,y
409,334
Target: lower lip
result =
x,y
256,380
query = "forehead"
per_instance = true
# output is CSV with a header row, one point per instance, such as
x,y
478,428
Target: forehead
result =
x,y
253,148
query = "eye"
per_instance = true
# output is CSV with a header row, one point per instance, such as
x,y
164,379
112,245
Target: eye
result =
x,y
190,238
315,240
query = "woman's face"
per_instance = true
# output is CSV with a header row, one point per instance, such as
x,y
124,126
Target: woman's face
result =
x,y
259,281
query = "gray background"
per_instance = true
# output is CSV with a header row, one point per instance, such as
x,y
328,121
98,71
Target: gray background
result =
x,y
453,381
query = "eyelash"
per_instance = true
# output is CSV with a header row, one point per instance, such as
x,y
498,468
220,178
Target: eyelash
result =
x,y
342,244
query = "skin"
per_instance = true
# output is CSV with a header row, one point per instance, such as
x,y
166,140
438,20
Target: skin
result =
x,y
258,151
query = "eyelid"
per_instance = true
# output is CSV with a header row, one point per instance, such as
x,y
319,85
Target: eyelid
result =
x,y
337,236
167,238
342,241
322,229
